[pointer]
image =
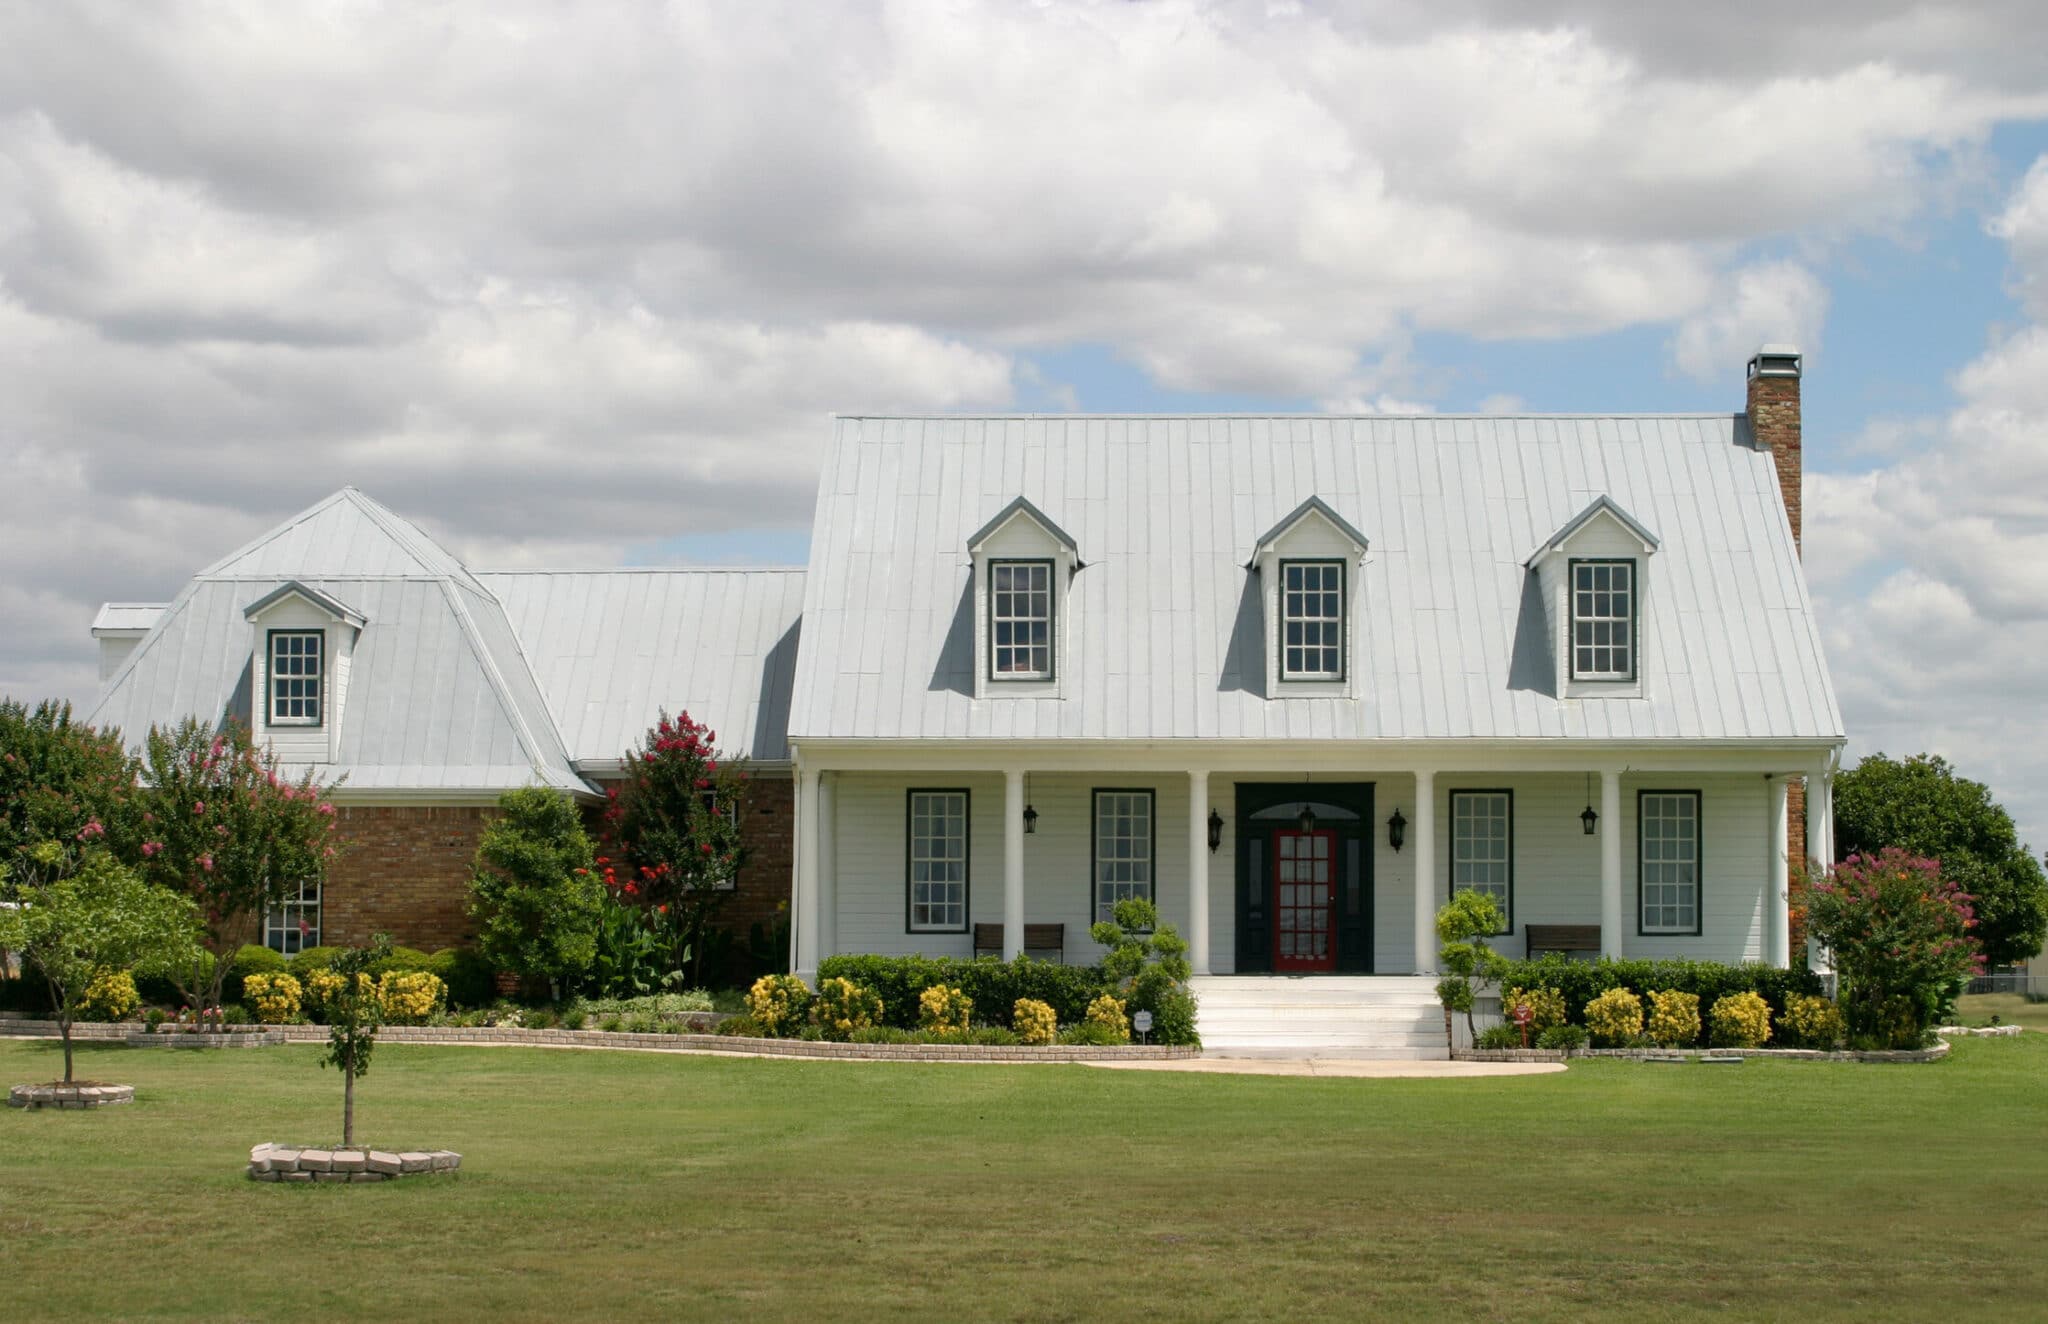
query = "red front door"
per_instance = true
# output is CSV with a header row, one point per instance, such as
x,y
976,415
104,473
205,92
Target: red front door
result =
x,y
1304,936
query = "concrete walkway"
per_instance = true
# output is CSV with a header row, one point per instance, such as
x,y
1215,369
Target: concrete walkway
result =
x,y
1335,1066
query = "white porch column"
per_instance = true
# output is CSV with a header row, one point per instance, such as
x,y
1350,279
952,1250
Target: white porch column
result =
x,y
803,931
1013,863
1820,813
1611,944
1425,873
828,866
1198,871
1777,879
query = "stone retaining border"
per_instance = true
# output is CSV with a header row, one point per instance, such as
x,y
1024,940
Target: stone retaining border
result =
x,y
1979,1031
677,1043
34,1097
187,1039
1934,1054
292,1163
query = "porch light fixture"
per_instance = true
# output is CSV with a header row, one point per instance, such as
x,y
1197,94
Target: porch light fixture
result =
x,y
1307,821
1030,814
1589,820
1215,831
1397,831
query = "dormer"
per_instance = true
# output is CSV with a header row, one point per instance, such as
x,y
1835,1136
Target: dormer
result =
x,y
302,640
1308,586
1022,565
120,626
1593,574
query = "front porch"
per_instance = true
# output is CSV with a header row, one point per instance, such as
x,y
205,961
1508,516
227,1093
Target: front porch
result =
x,y
1289,871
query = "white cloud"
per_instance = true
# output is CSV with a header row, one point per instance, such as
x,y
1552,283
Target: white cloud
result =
x,y
1770,302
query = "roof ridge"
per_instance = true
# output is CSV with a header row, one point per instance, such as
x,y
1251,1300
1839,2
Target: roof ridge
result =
x,y
1291,416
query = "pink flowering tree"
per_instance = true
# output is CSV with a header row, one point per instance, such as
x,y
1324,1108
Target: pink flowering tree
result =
x,y
222,826
1901,937
672,832
61,781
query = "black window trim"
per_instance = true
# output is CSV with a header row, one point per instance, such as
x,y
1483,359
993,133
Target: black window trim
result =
x,y
270,717
1699,865
1635,619
966,795
1095,794
1343,622
1451,845
1052,619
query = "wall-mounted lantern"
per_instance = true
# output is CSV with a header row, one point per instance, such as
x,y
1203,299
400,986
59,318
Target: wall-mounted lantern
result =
x,y
1397,831
1215,831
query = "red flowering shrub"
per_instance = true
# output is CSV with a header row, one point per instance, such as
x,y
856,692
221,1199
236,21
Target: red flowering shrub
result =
x,y
1901,938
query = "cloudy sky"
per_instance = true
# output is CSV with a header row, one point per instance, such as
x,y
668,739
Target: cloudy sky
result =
x,y
581,286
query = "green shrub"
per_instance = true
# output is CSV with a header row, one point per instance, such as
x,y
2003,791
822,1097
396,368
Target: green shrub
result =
x,y
1035,1021
881,1034
1614,1018
842,1006
1546,1007
312,961
1675,1018
1582,981
410,997
1565,1037
1810,1022
276,997
739,1027
1500,1036
991,1036
404,961
1108,1012
1093,1034
470,979
988,983
1741,1020
250,960
777,1003
944,1011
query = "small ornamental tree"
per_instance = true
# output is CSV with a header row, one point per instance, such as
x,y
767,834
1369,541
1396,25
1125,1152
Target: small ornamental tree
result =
x,y
672,829
534,891
1147,966
1901,938
100,919
220,825
354,1015
1464,924
62,781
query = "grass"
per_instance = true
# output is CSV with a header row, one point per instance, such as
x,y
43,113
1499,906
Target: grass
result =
x,y
2011,1008
657,1186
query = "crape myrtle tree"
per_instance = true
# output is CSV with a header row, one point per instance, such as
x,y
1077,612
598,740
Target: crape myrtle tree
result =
x,y
100,919
221,826
1902,936
1921,806
672,833
62,781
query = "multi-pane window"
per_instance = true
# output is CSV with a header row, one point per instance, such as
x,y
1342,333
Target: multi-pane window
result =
x,y
1670,843
1020,620
294,925
1603,620
1483,846
1123,849
295,677
1312,620
938,861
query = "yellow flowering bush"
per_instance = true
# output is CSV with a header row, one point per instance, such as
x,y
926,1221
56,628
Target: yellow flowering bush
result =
x,y
843,1006
1108,1012
1741,1020
110,996
323,985
276,997
1810,1022
1034,1021
777,1003
944,1010
1674,1018
410,997
1546,1007
1614,1018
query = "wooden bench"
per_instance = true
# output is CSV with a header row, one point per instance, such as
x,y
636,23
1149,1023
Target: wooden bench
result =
x,y
1038,938
1569,939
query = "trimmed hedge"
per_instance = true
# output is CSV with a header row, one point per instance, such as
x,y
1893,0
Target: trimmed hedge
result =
x,y
995,986
1709,981
471,980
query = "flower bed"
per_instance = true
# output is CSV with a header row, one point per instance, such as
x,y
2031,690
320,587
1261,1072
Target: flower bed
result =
x,y
78,1094
359,1165
1934,1054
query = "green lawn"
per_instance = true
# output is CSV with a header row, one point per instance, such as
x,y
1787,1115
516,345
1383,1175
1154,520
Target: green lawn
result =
x,y
1979,1008
649,1186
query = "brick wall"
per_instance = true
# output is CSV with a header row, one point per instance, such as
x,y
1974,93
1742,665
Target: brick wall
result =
x,y
405,872
1773,410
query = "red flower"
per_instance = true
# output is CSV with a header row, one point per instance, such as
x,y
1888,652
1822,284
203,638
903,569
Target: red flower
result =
x,y
632,889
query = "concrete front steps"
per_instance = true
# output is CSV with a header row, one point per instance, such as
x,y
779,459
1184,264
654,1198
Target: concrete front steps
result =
x,y
1358,1017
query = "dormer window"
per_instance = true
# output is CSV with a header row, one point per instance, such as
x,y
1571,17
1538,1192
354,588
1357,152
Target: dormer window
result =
x,y
1020,619
1312,620
1603,627
295,674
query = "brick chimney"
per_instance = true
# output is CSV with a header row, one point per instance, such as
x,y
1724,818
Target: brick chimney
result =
x,y
1773,410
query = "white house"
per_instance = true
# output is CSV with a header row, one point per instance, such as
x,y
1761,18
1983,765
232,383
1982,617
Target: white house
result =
x,y
1297,678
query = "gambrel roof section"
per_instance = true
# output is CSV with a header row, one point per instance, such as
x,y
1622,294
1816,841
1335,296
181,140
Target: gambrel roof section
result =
x,y
1602,507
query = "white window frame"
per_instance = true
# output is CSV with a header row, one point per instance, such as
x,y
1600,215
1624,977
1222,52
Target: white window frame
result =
x,y
281,922
1612,630
1664,869
1485,863
1125,849
1296,622
274,677
1001,586
941,856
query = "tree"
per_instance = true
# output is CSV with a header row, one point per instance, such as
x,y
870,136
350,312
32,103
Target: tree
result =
x,y
1463,926
62,781
1147,964
533,889
1922,807
354,1015
220,825
100,919
1900,934
673,826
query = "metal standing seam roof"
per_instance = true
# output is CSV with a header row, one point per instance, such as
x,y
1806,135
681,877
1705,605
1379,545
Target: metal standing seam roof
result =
x,y
120,616
1165,635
